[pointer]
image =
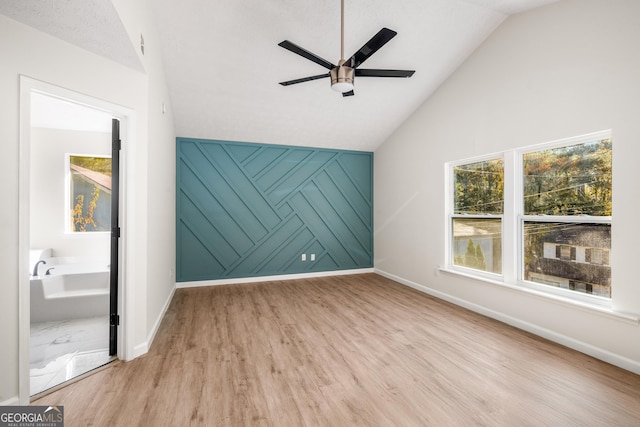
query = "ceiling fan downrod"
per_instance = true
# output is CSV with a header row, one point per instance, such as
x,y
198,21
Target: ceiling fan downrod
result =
x,y
342,75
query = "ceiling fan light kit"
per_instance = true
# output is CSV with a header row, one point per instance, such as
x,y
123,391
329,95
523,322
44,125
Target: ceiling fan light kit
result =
x,y
342,76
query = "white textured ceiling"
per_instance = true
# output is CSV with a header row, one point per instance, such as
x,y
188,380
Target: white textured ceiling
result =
x,y
93,25
223,62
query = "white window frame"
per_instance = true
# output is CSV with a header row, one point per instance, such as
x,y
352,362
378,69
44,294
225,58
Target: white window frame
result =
x,y
577,219
450,182
513,220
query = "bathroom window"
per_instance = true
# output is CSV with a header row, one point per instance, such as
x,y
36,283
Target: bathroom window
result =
x,y
89,193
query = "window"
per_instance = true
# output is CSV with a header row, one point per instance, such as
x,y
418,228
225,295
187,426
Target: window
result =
x,y
596,256
476,221
547,226
567,203
89,193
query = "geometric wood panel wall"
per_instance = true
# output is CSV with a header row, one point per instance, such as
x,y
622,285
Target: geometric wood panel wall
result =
x,y
247,210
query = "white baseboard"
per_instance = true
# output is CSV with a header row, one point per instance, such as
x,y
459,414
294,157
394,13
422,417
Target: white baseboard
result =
x,y
597,352
140,349
144,347
14,401
156,325
272,278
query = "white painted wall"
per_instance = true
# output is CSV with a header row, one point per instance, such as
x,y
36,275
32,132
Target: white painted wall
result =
x,y
49,148
160,187
563,70
149,165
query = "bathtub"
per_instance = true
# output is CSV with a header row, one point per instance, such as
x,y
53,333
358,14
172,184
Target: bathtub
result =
x,y
74,288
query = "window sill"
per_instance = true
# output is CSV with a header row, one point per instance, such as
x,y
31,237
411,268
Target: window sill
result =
x,y
581,305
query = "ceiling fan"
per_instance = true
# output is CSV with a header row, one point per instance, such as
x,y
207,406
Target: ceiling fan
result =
x,y
342,75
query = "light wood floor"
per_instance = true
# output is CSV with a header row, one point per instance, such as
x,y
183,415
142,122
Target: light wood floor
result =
x,y
346,351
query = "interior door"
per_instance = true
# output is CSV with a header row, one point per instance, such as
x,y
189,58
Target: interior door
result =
x,y
114,318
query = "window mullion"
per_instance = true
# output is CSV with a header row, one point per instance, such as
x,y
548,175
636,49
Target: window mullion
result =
x,y
510,222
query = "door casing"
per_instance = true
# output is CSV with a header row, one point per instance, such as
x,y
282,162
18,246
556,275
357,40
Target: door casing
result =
x,y
127,119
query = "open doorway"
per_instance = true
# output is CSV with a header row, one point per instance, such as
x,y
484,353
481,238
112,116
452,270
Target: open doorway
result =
x,y
72,240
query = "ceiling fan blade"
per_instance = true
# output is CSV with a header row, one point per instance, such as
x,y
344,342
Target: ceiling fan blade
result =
x,y
364,72
306,54
350,93
370,47
304,79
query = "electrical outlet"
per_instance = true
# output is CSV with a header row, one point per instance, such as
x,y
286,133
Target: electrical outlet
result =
x,y
303,257
313,257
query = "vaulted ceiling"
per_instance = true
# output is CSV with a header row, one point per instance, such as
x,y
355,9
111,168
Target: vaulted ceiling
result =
x,y
223,62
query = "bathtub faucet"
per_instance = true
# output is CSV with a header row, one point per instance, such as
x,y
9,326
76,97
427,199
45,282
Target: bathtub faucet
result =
x,y
35,268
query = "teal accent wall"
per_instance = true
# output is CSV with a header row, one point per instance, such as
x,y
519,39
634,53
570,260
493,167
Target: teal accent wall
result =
x,y
246,210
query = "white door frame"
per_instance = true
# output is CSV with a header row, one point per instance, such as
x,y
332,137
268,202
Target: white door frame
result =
x,y
127,133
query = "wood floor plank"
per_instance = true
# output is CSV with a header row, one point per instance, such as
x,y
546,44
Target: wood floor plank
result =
x,y
344,351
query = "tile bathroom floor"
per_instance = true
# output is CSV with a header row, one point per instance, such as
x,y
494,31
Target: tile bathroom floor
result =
x,y
62,350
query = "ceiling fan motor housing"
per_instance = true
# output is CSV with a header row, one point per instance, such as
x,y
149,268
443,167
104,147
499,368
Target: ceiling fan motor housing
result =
x,y
342,78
